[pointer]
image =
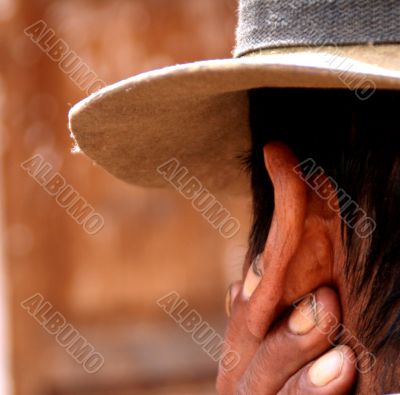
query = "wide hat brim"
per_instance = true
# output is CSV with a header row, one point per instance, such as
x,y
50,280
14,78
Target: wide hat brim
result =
x,y
198,115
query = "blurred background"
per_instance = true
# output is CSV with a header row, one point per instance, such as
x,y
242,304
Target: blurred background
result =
x,y
106,285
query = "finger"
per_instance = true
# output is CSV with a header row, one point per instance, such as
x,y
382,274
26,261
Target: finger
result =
x,y
237,338
296,341
332,374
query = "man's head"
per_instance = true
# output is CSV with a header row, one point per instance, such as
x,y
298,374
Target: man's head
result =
x,y
309,239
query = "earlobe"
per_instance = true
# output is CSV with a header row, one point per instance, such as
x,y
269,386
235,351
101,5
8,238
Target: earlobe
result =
x,y
296,243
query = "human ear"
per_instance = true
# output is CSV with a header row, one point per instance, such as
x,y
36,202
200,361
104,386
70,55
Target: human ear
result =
x,y
299,252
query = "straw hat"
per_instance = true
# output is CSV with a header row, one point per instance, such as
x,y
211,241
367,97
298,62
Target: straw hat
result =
x,y
197,113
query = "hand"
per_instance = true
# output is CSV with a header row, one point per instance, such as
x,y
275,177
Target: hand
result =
x,y
294,357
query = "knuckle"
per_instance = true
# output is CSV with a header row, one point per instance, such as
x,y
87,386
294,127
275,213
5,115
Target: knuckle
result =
x,y
242,389
283,345
296,385
226,382
222,386
274,345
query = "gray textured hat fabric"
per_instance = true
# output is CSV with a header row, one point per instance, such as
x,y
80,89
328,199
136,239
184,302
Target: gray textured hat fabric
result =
x,y
291,23
197,114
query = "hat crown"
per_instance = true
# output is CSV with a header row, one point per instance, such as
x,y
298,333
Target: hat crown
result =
x,y
303,23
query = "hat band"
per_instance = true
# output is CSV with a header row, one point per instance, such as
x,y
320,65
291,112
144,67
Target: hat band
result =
x,y
292,23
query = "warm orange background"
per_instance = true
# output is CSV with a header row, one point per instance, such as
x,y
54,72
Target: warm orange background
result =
x,y
153,242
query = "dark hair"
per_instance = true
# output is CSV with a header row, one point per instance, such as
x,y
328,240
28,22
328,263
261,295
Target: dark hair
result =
x,y
357,143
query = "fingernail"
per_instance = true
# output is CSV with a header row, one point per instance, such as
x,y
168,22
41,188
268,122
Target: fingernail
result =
x,y
231,294
304,316
253,278
327,368
228,301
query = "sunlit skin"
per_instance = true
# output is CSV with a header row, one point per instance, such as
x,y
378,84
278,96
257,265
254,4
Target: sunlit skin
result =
x,y
303,254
